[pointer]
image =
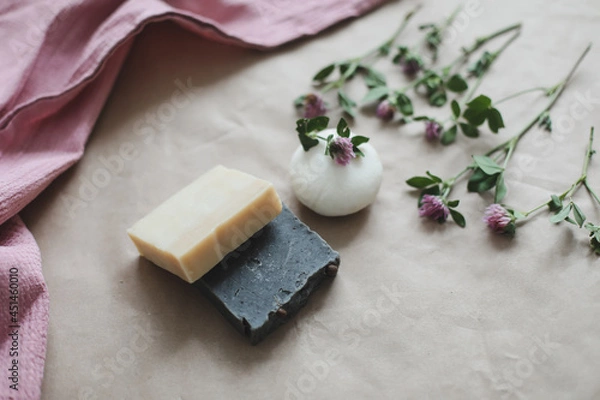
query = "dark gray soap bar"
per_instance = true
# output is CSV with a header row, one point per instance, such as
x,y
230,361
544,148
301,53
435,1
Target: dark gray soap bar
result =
x,y
264,282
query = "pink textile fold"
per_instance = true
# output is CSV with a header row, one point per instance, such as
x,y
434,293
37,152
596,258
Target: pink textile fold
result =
x,y
25,312
58,63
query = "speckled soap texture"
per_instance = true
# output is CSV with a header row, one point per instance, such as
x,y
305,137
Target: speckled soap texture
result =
x,y
263,283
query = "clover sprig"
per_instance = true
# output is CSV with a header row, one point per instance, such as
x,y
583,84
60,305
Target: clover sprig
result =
x,y
341,147
486,171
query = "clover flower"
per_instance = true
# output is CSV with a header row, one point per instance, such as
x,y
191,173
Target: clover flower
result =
x,y
498,219
433,130
314,106
341,150
411,65
385,110
433,207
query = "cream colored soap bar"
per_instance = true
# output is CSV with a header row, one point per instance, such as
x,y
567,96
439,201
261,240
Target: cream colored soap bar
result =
x,y
194,230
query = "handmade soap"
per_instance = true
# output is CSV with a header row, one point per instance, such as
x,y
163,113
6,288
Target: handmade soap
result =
x,y
198,226
264,282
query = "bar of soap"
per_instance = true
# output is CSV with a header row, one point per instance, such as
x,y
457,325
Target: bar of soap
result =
x,y
264,282
197,227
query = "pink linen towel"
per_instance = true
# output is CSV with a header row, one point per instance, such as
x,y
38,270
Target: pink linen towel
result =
x,y
58,62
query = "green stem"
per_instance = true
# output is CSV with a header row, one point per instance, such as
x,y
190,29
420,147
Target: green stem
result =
x,y
483,40
451,18
392,41
561,87
374,52
464,171
480,78
496,55
526,214
480,42
445,71
567,193
510,145
591,192
588,155
582,180
501,146
522,92
416,82
511,149
335,84
449,183
571,191
584,170
471,91
588,158
446,192
442,28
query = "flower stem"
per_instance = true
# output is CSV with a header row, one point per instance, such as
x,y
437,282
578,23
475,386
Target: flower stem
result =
x,y
335,84
372,53
561,87
588,155
464,171
510,145
567,193
528,213
445,71
449,183
480,42
588,158
591,191
440,32
584,170
451,18
465,99
479,80
582,180
509,152
483,40
391,41
522,92
416,82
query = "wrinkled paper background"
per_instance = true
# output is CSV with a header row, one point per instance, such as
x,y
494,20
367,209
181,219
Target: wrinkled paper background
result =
x,y
418,310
